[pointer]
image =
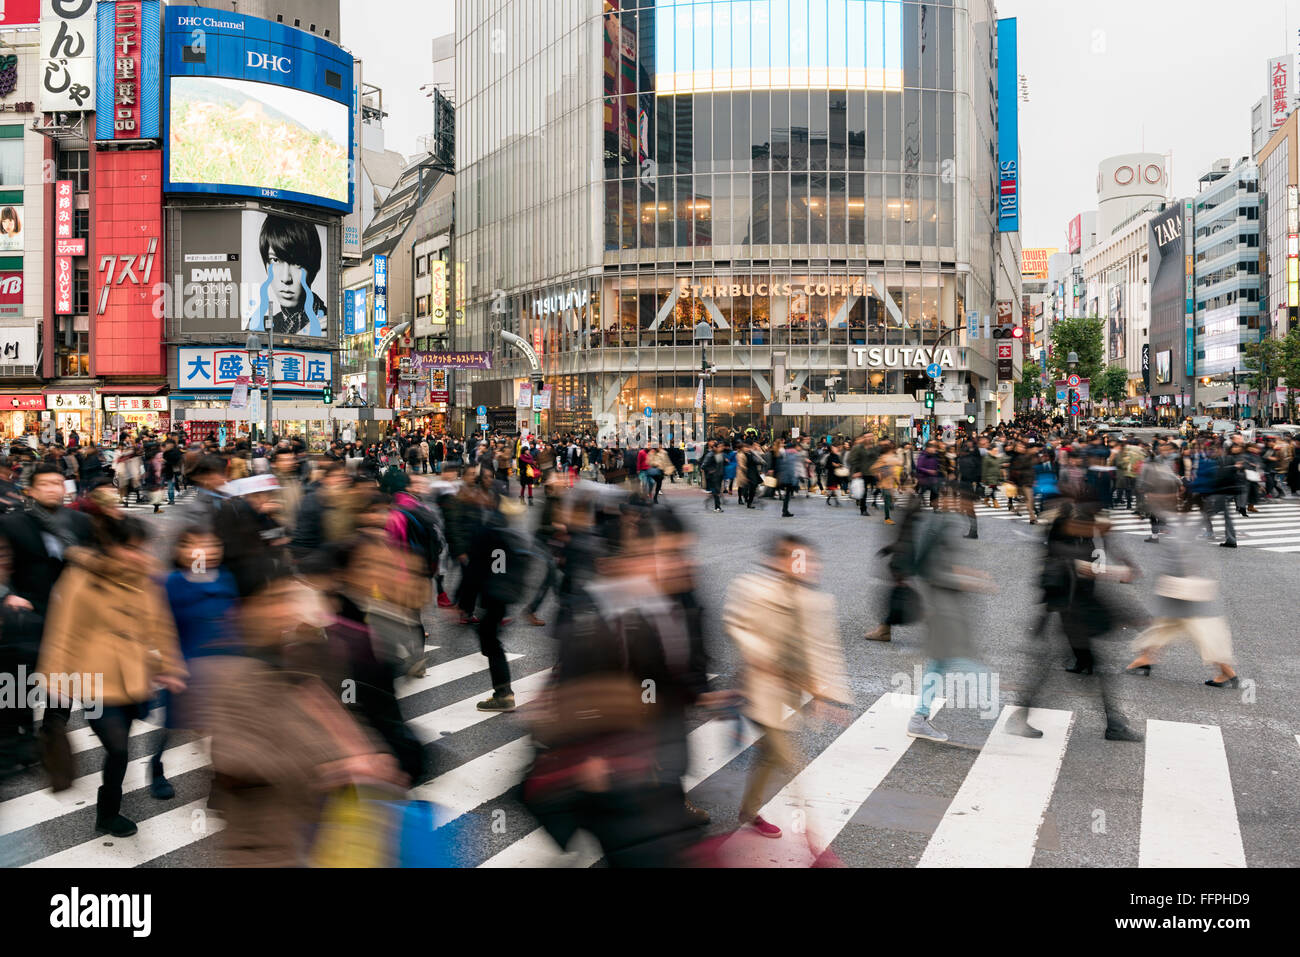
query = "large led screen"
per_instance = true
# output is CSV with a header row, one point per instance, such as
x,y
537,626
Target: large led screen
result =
x,y
705,46
243,134
256,108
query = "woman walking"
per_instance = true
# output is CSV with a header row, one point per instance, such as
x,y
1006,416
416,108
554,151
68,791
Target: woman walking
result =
x,y
109,619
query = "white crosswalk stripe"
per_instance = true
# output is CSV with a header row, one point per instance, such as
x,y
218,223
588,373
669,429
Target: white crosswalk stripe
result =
x,y
1274,528
992,814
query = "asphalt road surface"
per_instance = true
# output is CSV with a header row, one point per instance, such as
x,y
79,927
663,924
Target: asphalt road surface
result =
x,y
1213,784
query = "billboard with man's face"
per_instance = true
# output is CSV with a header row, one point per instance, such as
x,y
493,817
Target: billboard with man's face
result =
x,y
241,269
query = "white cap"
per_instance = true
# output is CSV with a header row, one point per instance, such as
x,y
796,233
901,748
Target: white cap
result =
x,y
250,485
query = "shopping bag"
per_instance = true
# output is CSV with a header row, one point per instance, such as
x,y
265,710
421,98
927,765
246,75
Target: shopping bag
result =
x,y
858,489
355,832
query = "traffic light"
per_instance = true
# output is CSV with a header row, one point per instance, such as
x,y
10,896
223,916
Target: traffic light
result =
x,y
1002,332
329,395
929,400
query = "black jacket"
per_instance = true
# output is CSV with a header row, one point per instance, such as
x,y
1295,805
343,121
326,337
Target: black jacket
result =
x,y
33,570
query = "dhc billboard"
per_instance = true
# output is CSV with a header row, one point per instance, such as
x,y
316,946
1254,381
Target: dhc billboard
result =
x,y
1008,128
255,108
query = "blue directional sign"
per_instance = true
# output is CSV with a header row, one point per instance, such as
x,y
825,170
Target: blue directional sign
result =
x,y
482,410
649,412
934,370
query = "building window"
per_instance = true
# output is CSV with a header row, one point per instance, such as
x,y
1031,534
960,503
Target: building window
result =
x,y
11,162
421,265
72,356
422,306
81,223
81,292
75,165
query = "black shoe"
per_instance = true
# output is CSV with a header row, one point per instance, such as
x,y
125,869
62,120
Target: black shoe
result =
x,y
973,535
1144,670
787,515
117,826
1077,669
717,510
161,789
1122,732
1232,682
1153,539
1227,544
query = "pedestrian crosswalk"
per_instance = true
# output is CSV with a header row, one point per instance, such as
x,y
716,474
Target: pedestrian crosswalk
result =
x,y
1274,528
989,800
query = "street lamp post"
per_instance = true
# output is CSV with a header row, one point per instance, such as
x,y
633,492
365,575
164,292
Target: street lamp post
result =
x,y
254,348
1072,362
1234,393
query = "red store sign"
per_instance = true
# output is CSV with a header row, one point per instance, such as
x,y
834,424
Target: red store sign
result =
x,y
11,403
63,285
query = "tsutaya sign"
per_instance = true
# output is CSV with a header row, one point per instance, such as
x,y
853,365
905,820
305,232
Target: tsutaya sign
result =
x,y
901,357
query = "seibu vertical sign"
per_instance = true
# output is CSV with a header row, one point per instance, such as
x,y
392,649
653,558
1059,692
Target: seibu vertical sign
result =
x,y
128,263
1008,128
63,192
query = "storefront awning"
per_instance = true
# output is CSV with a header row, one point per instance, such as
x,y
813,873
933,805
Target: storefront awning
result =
x,y
132,389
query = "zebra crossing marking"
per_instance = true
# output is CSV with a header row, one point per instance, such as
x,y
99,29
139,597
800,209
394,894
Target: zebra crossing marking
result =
x,y
158,836
36,807
822,798
1189,814
995,817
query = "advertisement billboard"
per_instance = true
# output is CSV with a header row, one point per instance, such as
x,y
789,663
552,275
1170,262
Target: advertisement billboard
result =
x,y
1033,262
1131,176
1281,89
11,295
255,108
1164,367
128,70
18,12
18,346
1168,266
219,368
241,267
380,281
67,56
287,259
1008,128
128,263
1074,235
11,229
718,47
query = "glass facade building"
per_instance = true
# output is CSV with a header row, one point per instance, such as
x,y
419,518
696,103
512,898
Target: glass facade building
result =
x,y
1227,258
799,181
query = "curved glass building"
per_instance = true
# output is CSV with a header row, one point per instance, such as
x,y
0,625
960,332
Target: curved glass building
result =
x,y
802,194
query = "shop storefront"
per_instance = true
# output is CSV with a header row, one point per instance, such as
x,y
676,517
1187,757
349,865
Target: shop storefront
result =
x,y
202,419
136,413
73,411
20,414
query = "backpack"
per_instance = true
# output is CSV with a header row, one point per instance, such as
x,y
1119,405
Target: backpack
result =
x,y
422,536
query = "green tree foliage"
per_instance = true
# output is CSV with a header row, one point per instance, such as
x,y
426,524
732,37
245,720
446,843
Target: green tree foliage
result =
x,y
1084,337
1113,385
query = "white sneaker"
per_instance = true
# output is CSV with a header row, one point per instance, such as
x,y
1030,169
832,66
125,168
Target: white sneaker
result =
x,y
920,727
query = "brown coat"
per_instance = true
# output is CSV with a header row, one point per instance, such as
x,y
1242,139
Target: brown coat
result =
x,y
111,620
273,735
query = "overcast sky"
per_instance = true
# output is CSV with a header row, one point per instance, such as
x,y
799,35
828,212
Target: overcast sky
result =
x,y
1105,77
394,38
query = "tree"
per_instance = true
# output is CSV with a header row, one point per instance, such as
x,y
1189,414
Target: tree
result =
x,y
1112,385
1265,363
1029,388
1084,337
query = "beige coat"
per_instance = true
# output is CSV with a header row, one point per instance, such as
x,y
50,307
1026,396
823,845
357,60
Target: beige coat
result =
x,y
111,620
788,638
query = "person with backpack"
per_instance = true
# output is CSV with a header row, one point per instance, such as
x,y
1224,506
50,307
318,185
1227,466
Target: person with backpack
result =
x,y
414,527
496,574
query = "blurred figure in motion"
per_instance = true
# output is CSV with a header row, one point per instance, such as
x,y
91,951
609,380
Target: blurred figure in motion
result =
x,y
610,730
281,740
900,555
204,601
785,630
547,541
109,618
1079,559
938,561
38,538
1187,606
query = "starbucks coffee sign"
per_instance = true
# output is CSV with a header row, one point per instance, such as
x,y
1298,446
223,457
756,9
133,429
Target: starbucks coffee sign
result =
x,y
901,357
